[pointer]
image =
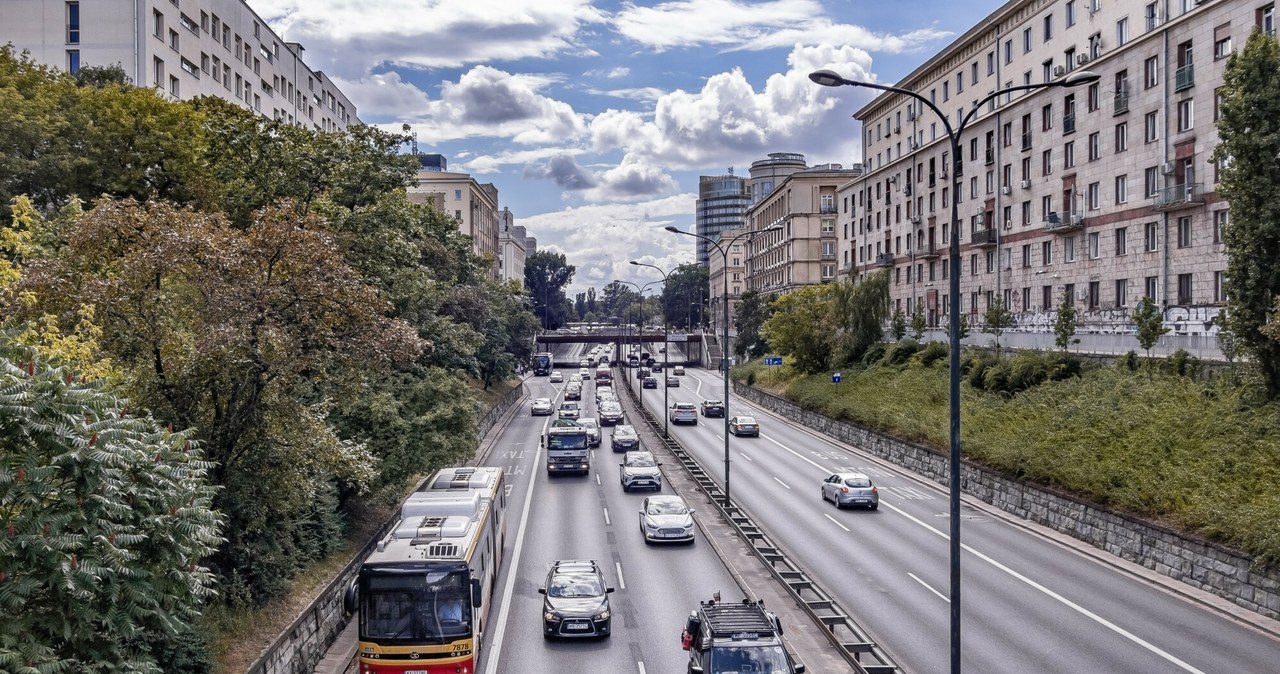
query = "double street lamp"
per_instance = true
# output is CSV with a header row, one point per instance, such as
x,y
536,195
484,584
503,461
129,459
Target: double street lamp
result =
x,y
723,247
666,366
828,78
640,338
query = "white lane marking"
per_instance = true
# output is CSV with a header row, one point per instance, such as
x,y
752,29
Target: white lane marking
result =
x,y
597,478
1059,598
512,571
606,516
1050,593
746,457
622,582
781,482
833,521
641,666
927,587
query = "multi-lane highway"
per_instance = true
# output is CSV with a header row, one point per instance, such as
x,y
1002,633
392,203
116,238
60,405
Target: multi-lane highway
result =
x,y
1032,601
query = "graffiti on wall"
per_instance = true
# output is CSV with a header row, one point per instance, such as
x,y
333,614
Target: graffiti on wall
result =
x,y
1180,320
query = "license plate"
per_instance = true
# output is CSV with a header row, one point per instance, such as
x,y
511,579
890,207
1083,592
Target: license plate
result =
x,y
577,627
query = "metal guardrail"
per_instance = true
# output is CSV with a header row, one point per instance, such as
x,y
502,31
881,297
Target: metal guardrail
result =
x,y
850,640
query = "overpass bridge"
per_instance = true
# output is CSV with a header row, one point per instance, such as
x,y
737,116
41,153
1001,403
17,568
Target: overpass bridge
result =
x,y
683,348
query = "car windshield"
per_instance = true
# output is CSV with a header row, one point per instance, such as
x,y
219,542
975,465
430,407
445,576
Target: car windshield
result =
x,y
857,482
575,585
428,607
641,461
569,406
743,659
672,507
684,406
588,423
746,420
712,403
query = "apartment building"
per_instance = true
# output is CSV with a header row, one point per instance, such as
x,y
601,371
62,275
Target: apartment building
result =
x,y
728,269
805,250
183,48
474,205
1101,192
512,240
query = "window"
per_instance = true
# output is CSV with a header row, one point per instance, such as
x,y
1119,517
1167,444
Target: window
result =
x,y
1184,288
1046,206
1186,114
1071,13
73,30
1094,294
1093,97
1184,232
1094,247
1217,104
1222,41
73,61
1150,232
1026,255
1047,71
1122,292
991,261
1046,297
157,71
1008,51
1220,219
1151,180
1046,159
1095,146
158,19
1046,117
186,22
1122,137
973,264
946,91
1122,31
1026,40
991,66
1150,17
959,82
1150,127
1094,196
173,39
1150,286
1068,154
1122,189
1046,253
1266,18
1048,27
189,68
173,85
1151,72
457,195
1122,241
1026,213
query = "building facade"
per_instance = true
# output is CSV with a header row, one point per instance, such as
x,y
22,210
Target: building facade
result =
x,y
183,48
511,242
722,201
805,250
727,269
1100,194
474,205
768,173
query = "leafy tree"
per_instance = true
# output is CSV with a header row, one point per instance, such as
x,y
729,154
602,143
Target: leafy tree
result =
x,y
615,299
546,274
998,319
1149,323
1064,325
107,518
753,310
898,324
1249,140
591,301
496,313
861,309
103,76
964,326
685,286
800,327
918,322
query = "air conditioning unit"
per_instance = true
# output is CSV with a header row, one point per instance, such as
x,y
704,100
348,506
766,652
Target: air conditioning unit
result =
x,y
1026,184
1167,168
911,114
915,219
1082,59
1059,71
980,220
1077,219
978,210
911,144
1082,295
897,129
1008,224
1005,190
942,175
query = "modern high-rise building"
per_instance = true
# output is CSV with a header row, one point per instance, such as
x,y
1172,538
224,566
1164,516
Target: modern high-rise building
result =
x,y
722,201
767,174
1101,194
183,48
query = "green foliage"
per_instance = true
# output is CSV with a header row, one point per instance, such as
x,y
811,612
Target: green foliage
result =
x,y
997,319
898,325
918,322
1149,322
546,274
800,327
964,326
753,310
861,309
874,353
1128,361
932,353
901,351
1064,324
107,518
977,370
1183,364
686,285
1249,137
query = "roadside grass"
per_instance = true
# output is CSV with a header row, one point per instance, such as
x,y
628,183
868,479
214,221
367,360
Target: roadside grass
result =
x,y
1198,456
238,635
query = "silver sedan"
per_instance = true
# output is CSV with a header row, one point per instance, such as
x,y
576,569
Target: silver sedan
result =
x,y
850,489
666,519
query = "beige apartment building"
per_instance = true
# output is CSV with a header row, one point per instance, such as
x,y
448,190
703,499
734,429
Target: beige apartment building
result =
x,y
728,269
474,205
512,244
183,48
1103,192
805,251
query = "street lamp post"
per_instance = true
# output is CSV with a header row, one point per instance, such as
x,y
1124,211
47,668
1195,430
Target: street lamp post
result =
x,y
666,366
724,310
640,338
828,78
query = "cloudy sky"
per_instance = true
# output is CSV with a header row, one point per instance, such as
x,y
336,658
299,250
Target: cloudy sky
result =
x,y
595,118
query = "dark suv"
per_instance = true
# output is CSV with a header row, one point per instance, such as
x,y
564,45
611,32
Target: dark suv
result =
x,y
624,439
576,600
712,408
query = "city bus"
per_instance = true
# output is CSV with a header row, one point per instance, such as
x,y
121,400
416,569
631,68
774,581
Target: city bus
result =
x,y
542,363
422,597
603,374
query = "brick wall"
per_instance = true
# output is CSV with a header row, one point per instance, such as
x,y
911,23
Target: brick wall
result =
x,y
1209,566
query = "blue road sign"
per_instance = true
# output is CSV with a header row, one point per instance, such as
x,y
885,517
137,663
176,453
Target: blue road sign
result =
x,y
835,378
773,360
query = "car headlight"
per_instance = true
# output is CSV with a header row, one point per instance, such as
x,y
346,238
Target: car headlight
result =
x,y
550,616
649,524
603,615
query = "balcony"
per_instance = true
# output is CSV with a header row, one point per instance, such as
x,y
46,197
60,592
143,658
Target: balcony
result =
x,y
926,251
984,238
1184,77
1121,102
884,260
827,208
1064,222
1069,123
1178,197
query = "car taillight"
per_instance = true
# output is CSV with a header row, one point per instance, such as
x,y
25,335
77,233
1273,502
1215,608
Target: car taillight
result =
x,y
875,491
844,490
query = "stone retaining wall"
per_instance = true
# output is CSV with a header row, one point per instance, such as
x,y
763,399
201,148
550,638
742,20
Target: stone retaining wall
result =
x,y
1202,564
301,646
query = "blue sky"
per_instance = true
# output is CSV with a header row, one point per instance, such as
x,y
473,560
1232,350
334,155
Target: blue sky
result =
x,y
595,119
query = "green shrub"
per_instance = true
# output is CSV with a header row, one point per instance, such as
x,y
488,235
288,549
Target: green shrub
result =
x,y
1128,361
978,371
1065,366
968,358
874,354
184,653
751,378
932,353
901,351
995,378
1184,364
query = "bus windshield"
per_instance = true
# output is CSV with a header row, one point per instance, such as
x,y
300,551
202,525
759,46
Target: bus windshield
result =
x,y
542,363
421,608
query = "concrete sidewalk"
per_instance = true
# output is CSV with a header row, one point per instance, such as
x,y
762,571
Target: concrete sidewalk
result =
x,y
341,655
